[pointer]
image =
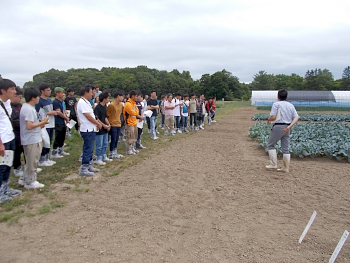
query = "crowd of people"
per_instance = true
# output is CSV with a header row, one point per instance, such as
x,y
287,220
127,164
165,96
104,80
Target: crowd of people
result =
x,y
29,129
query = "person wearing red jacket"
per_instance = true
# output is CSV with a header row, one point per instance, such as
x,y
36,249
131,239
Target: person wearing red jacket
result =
x,y
213,108
209,109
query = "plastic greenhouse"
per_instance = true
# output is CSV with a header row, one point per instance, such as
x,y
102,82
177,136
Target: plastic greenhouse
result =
x,y
303,98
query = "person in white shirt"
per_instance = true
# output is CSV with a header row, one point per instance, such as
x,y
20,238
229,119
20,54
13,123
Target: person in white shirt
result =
x,y
281,130
31,138
88,128
7,138
177,112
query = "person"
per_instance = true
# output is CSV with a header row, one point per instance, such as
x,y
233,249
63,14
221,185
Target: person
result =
x,y
131,114
31,139
122,128
148,119
60,125
209,109
97,91
140,106
16,108
169,106
184,113
177,112
114,115
92,100
96,101
281,130
152,104
45,108
100,112
161,105
201,111
71,106
88,128
213,110
7,139
193,112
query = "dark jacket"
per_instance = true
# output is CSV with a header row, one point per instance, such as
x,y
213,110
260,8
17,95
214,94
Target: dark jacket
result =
x,y
16,108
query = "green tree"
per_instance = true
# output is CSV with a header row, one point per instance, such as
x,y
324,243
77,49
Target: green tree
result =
x,y
295,82
281,81
318,80
345,80
263,81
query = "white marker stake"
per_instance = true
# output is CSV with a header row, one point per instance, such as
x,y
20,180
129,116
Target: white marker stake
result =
x,y
307,227
339,247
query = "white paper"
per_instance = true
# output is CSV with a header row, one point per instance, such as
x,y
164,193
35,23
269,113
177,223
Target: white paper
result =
x,y
71,124
148,113
278,116
7,159
139,124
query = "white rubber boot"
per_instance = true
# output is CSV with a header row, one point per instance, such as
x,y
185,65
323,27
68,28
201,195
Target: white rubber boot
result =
x,y
273,160
286,162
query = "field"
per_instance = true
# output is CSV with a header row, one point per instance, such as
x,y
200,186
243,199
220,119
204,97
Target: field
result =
x,y
203,197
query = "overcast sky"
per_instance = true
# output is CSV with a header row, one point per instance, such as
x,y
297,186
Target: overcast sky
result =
x,y
204,36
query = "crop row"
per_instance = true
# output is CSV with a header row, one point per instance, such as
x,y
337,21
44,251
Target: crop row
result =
x,y
310,139
322,117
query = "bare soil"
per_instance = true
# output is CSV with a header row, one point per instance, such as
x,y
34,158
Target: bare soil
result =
x,y
206,198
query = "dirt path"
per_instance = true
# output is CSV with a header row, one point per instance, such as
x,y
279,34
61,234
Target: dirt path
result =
x,y
206,198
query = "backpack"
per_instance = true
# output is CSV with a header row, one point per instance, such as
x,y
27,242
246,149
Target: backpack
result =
x,y
184,108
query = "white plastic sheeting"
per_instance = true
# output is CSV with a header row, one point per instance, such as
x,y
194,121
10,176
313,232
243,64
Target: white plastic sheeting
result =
x,y
303,98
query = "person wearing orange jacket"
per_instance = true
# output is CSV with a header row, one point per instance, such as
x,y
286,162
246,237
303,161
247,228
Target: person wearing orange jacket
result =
x,y
131,114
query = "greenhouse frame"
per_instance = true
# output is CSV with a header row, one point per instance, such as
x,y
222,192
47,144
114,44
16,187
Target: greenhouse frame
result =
x,y
303,98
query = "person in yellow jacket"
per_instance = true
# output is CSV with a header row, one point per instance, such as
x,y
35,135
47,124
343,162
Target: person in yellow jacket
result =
x,y
131,114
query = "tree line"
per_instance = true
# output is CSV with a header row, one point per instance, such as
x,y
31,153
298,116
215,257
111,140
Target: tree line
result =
x,y
221,84
314,79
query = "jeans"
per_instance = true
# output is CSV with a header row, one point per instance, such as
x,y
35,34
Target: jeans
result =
x,y
153,123
184,121
114,132
212,114
177,121
148,119
101,144
88,146
139,132
163,120
4,169
203,117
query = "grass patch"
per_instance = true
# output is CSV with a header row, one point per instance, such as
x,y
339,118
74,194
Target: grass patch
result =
x,y
44,209
12,217
114,173
49,207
